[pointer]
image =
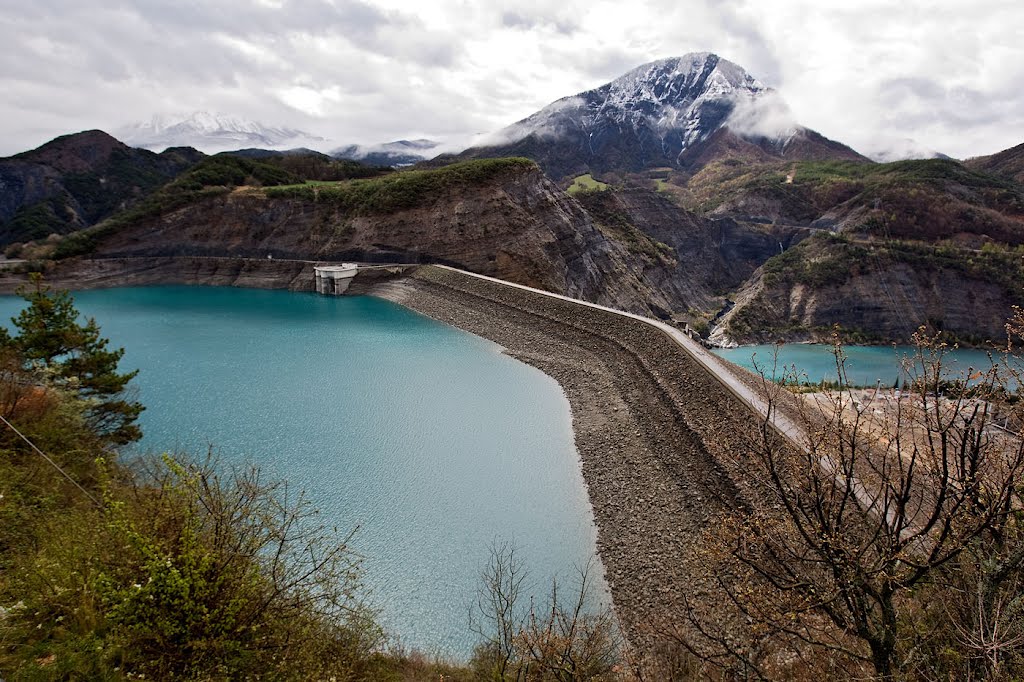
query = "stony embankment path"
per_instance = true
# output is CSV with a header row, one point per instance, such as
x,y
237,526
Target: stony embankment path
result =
x,y
655,430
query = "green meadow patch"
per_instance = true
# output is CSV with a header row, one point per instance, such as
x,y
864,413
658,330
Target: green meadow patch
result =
x,y
586,183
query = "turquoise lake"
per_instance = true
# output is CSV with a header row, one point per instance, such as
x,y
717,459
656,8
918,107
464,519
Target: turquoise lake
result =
x,y
429,440
865,365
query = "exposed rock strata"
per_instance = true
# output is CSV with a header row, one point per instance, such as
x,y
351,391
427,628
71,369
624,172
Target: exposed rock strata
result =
x,y
126,272
711,255
886,304
518,227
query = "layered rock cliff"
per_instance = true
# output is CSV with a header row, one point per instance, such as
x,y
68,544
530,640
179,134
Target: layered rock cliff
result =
x,y
711,256
513,224
877,293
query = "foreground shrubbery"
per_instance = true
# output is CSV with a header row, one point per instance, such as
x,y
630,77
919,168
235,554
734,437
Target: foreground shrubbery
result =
x,y
167,568
887,538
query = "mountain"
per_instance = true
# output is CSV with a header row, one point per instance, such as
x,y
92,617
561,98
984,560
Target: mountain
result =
x,y
745,233
257,153
754,250
661,114
306,164
75,181
398,153
1008,163
212,132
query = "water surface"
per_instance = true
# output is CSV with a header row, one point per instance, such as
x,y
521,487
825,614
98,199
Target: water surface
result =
x,y
865,365
428,439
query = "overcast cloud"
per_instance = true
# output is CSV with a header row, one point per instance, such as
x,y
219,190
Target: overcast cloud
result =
x,y
873,74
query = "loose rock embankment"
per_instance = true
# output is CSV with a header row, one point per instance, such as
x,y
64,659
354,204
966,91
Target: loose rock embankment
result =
x,y
655,432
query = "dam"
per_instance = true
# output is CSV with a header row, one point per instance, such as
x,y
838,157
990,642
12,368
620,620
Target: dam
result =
x,y
334,280
660,431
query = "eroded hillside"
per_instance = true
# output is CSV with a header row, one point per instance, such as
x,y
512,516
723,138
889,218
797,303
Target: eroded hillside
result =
x,y
497,217
897,246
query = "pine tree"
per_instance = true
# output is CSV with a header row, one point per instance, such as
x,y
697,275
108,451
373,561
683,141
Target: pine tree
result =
x,y
53,343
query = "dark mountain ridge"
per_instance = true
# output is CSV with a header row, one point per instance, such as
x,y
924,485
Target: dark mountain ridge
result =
x,y
800,232
1008,164
394,154
77,180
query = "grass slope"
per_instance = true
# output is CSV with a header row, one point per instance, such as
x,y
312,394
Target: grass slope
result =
x,y
586,183
401,190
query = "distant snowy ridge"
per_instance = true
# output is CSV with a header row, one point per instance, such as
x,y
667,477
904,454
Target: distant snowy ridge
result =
x,y
212,132
397,153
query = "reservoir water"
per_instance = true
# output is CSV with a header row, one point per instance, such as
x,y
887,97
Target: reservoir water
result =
x,y
429,440
865,365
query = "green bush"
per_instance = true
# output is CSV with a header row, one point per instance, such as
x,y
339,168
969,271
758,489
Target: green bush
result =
x,y
40,220
224,170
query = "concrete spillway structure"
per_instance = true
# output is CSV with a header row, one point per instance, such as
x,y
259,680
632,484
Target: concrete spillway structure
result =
x,y
334,280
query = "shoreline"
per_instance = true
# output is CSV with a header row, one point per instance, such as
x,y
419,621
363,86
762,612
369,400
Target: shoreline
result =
x,y
654,431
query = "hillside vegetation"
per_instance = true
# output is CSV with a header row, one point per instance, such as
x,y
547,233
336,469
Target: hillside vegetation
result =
x,y
403,189
1008,164
214,176
930,199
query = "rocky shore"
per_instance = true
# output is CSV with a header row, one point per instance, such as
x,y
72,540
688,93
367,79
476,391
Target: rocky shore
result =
x,y
656,434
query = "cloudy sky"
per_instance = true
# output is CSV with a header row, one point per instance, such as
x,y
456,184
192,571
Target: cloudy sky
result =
x,y
873,73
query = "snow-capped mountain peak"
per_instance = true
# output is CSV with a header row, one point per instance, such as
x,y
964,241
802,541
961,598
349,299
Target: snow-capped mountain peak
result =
x,y
211,133
659,115
671,81
693,94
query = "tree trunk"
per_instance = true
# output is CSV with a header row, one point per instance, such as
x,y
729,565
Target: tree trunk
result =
x,y
881,656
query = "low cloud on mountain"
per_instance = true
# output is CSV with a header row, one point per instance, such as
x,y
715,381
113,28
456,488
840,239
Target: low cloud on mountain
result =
x,y
766,115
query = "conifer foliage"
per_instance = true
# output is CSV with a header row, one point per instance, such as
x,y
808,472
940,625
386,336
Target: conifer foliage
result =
x,y
57,346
